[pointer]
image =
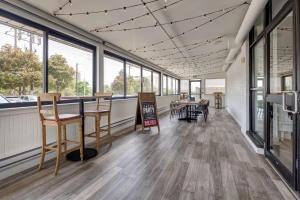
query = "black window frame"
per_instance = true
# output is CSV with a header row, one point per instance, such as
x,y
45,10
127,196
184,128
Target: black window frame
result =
x,y
125,60
46,32
177,92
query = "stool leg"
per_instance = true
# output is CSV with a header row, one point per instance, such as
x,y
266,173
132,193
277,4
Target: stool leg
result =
x,y
58,149
64,129
109,130
97,132
81,140
43,147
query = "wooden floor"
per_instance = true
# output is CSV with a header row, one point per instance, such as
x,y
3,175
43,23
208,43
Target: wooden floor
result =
x,y
185,161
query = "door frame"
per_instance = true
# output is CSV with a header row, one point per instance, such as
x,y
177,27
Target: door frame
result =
x,y
291,176
190,89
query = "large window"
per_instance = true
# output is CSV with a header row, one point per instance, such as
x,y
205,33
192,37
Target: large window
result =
x,y
21,62
214,85
70,68
156,83
147,80
133,79
114,76
165,92
170,85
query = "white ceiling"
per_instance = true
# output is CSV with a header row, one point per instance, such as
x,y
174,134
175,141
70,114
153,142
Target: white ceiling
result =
x,y
203,59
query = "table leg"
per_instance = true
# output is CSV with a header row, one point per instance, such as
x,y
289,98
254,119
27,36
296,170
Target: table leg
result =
x,y
87,152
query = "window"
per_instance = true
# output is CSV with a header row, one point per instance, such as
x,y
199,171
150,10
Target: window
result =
x,y
165,91
214,85
114,76
21,62
195,89
147,80
156,83
184,86
133,79
259,25
170,85
70,68
177,86
276,6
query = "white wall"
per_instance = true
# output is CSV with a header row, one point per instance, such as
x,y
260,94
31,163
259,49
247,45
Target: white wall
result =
x,y
237,88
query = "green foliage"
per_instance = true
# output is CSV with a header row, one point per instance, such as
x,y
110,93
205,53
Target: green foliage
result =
x,y
21,74
83,88
60,73
117,86
20,71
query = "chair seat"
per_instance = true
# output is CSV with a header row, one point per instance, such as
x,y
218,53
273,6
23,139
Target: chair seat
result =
x,y
63,117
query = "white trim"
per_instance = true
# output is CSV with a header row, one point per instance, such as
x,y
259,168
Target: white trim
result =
x,y
254,147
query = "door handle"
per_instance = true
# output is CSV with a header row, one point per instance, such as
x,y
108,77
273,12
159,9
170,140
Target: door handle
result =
x,y
284,107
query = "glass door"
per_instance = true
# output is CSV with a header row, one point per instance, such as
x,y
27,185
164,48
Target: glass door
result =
x,y
281,100
195,89
257,92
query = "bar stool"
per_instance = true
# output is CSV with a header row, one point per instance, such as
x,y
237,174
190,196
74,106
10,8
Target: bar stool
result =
x,y
51,117
103,109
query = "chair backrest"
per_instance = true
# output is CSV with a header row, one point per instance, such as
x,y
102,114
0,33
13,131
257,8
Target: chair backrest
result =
x,y
48,97
104,100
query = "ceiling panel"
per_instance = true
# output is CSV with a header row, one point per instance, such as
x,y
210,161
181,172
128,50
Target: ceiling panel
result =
x,y
176,54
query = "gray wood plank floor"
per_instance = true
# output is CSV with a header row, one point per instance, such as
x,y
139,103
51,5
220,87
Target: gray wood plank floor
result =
x,y
185,161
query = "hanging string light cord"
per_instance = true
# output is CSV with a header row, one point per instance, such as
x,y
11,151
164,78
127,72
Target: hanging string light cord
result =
x,y
194,56
169,23
181,47
134,18
106,11
192,29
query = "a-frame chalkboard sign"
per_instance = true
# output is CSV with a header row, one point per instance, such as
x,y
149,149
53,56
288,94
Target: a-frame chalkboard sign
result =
x,y
146,111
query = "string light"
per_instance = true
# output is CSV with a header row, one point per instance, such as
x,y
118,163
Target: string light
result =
x,y
183,47
69,2
194,56
134,18
167,23
189,30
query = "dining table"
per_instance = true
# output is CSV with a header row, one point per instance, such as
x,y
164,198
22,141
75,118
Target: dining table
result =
x,y
189,108
88,153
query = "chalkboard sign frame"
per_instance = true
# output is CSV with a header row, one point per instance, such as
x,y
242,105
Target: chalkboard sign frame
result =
x,y
147,98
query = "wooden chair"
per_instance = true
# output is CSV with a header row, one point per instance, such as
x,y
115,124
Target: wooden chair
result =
x,y
51,117
103,109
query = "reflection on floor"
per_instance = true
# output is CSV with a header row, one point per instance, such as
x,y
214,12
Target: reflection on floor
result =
x,y
185,161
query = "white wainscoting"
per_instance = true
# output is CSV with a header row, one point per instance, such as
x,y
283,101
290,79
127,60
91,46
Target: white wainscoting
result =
x,y
20,131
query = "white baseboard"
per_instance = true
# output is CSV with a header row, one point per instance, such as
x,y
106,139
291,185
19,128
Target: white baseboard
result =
x,y
253,146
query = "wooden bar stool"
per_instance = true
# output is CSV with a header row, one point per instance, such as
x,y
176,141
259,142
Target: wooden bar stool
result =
x,y
51,117
103,109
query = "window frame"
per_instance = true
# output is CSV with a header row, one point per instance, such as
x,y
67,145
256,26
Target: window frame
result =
x,y
46,32
125,60
173,87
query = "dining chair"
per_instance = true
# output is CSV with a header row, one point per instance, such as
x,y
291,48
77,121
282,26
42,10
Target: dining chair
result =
x,y
103,109
49,116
